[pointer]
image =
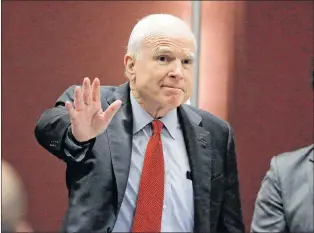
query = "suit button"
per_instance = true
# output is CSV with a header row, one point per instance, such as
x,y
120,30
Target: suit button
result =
x,y
202,141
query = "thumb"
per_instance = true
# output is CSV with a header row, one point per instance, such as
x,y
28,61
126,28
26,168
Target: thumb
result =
x,y
109,113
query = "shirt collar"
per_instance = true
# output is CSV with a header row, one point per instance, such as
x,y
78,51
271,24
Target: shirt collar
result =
x,y
141,118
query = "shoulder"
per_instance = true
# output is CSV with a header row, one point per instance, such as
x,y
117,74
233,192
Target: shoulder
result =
x,y
293,157
287,163
107,90
209,121
104,90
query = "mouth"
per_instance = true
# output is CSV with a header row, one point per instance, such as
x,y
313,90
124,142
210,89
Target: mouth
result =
x,y
171,87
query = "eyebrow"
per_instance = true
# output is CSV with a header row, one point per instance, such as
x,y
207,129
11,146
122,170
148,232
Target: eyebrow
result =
x,y
163,50
191,55
169,51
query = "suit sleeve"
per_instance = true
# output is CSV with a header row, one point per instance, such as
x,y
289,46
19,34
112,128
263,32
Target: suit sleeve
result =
x,y
269,213
231,216
53,131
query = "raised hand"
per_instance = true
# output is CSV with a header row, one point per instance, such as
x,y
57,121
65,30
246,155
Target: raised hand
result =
x,y
88,120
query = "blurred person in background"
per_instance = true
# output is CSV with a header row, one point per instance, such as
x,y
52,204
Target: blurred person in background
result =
x,y
138,158
285,201
13,201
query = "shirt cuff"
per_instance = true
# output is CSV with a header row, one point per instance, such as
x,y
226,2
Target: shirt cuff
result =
x,y
71,140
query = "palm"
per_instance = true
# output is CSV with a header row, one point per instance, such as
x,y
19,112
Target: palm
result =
x,y
88,119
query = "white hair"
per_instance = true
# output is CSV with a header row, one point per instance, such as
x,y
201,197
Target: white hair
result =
x,y
158,25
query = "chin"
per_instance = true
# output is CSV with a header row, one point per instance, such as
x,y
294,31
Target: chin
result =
x,y
174,101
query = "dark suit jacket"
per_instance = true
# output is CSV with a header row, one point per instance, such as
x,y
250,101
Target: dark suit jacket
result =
x,y
285,200
97,172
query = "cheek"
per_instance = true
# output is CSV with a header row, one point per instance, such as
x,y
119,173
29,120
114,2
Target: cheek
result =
x,y
189,84
156,80
150,86
154,76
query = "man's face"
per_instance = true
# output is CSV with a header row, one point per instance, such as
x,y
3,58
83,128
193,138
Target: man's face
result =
x,y
164,71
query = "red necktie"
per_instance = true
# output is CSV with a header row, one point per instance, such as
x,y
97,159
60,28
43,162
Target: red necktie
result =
x,y
150,198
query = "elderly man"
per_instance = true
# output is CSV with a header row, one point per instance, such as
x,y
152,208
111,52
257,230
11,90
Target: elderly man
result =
x,y
138,159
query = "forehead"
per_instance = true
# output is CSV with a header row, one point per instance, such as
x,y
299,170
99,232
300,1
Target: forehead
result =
x,y
161,44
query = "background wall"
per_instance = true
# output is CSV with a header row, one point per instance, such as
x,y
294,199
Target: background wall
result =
x,y
264,82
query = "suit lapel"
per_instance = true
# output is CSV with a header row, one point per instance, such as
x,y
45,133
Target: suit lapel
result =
x,y
120,139
197,141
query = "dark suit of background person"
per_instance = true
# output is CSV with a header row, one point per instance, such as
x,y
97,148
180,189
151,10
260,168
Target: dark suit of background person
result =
x,y
285,201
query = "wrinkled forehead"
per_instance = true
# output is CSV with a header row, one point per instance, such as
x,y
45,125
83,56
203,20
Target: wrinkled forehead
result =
x,y
160,44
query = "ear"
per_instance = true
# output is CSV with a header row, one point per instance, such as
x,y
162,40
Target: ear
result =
x,y
129,64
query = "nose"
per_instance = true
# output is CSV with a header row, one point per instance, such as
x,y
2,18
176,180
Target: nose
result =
x,y
177,72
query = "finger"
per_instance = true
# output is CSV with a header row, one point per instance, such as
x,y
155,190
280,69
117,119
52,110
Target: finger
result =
x,y
96,90
87,98
70,109
111,111
78,101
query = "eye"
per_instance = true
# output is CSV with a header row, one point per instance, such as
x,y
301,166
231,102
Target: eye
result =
x,y
187,61
163,58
